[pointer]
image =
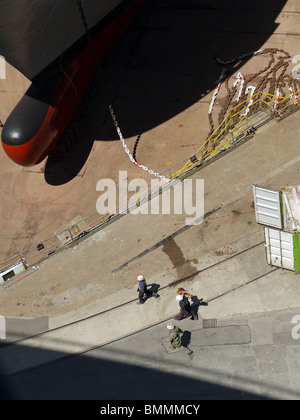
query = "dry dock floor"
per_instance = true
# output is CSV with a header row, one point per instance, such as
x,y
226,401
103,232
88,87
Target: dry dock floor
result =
x,y
161,76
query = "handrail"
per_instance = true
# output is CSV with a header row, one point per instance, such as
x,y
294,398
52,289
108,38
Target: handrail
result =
x,y
225,134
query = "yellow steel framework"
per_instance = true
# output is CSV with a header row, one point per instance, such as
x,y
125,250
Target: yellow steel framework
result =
x,y
228,131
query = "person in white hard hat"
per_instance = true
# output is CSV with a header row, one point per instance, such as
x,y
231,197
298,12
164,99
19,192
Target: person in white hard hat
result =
x,y
142,287
185,308
175,334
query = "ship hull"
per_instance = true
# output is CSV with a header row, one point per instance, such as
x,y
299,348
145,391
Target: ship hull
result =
x,y
40,118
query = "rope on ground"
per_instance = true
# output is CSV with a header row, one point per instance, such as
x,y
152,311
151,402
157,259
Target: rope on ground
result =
x,y
273,76
110,107
135,146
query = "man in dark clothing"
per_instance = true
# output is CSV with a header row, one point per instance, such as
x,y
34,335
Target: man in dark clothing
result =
x,y
185,308
142,289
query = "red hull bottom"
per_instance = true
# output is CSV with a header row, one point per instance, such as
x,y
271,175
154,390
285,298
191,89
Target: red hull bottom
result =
x,y
66,97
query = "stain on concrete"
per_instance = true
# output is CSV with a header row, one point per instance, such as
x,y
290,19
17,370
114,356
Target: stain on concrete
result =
x,y
236,212
226,250
183,266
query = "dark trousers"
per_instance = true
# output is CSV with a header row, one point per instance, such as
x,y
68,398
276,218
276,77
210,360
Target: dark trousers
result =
x,y
141,295
185,314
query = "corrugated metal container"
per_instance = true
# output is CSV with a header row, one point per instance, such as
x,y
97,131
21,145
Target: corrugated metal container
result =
x,y
279,212
267,204
282,249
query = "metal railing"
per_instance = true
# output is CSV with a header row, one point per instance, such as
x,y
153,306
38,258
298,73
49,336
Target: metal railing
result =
x,y
239,124
231,130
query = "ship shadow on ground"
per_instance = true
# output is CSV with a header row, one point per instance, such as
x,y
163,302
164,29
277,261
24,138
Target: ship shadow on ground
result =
x,y
81,377
163,64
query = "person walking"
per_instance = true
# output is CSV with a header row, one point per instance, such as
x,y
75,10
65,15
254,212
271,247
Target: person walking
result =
x,y
175,334
142,288
185,308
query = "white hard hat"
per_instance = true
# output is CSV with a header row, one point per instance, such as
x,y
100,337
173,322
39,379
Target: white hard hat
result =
x,y
170,327
179,298
140,278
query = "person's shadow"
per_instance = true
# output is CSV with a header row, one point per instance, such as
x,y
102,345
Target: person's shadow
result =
x,y
152,291
186,338
196,303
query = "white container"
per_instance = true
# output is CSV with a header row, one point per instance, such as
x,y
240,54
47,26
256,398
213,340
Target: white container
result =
x,y
279,212
267,203
282,249
14,269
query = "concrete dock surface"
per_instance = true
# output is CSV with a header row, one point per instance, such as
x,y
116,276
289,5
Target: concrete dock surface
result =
x,y
75,320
